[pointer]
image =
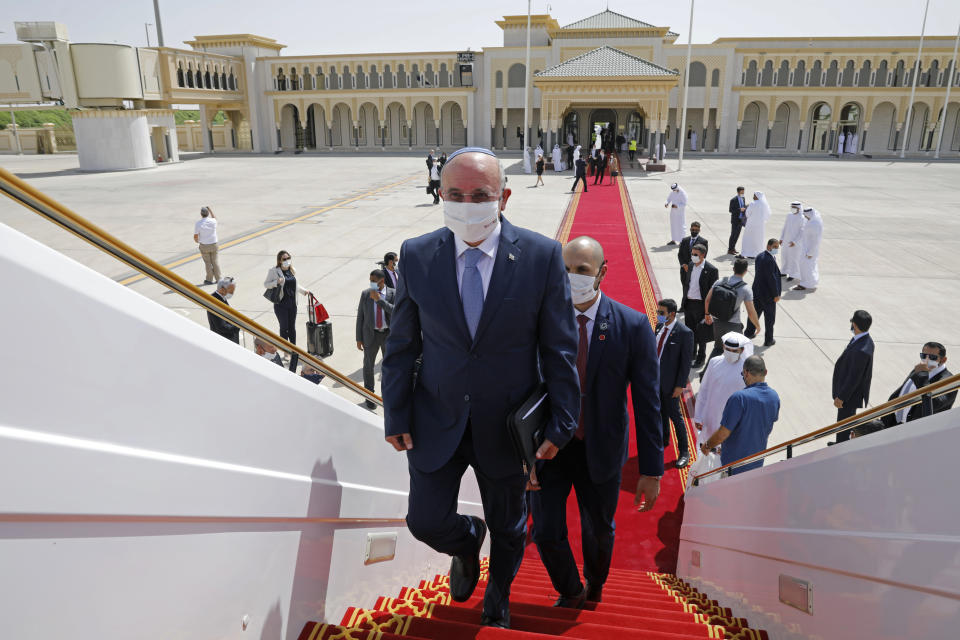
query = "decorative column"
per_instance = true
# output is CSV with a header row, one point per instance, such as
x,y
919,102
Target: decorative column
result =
x,y
383,135
736,144
207,137
800,138
410,135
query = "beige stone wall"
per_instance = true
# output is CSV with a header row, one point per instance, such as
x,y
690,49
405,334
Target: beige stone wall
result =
x,y
43,139
190,136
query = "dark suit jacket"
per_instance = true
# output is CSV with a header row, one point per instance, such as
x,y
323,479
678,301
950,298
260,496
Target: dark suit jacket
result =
x,y
735,213
625,355
920,380
221,326
708,276
393,278
675,359
853,372
767,282
367,316
526,328
581,167
683,256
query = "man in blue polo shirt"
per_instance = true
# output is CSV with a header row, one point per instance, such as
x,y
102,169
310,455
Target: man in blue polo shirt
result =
x,y
747,419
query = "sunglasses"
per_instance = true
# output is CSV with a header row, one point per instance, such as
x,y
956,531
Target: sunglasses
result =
x,y
929,356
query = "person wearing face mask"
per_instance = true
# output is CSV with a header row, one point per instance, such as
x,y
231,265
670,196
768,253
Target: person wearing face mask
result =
x,y
616,349
747,419
284,277
853,371
738,206
674,351
722,377
267,351
484,308
702,276
767,287
677,203
226,286
791,241
931,368
684,255
810,256
373,324
723,302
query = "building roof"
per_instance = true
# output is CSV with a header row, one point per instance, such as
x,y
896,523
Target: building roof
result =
x,y
609,20
605,62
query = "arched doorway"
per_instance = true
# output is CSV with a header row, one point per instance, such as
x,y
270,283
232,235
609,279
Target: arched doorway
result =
x,y
820,128
603,121
571,127
634,127
750,131
849,126
291,132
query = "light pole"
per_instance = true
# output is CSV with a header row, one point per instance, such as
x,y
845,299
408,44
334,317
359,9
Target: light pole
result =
x,y
946,103
146,29
156,13
913,89
686,90
526,101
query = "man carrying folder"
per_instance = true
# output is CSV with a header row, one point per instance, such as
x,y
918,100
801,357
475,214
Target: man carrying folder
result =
x,y
486,306
616,349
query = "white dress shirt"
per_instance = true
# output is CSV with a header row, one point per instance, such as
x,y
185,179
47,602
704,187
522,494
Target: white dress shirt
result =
x,y
665,328
910,387
206,230
591,314
485,264
385,324
693,291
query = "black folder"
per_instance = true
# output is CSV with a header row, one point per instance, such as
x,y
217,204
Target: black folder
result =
x,y
527,424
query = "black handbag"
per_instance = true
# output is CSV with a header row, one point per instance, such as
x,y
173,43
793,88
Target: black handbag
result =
x,y
526,426
274,294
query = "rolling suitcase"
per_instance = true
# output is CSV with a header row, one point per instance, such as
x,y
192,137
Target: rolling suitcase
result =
x,y
319,334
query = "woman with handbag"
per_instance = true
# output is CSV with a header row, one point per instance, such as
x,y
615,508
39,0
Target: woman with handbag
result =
x,y
282,289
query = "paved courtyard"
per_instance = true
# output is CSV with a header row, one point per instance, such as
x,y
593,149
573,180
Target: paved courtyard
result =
x,y
892,234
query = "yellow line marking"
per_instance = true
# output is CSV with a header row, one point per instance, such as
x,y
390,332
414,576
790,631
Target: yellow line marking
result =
x,y
256,234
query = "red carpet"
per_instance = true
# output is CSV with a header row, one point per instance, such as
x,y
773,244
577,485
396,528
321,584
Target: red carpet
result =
x,y
644,541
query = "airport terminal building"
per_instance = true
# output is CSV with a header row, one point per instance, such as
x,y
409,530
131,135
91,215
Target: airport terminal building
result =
x,y
783,96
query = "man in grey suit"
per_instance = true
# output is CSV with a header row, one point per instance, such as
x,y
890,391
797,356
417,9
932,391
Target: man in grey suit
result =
x,y
373,324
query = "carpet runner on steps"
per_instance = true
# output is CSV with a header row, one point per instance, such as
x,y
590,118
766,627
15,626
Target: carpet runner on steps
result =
x,y
636,605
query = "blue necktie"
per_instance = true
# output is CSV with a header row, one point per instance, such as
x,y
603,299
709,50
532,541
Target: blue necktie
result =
x,y
471,290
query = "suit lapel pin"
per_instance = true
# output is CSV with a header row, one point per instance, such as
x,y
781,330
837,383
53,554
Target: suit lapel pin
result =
x,y
511,257
602,337
603,326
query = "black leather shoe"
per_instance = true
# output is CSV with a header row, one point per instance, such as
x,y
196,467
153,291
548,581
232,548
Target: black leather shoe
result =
x,y
789,279
770,342
683,460
465,570
699,362
594,593
572,602
500,623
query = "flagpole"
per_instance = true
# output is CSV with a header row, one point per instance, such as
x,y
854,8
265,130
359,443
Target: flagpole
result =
x,y
946,102
526,101
913,89
686,89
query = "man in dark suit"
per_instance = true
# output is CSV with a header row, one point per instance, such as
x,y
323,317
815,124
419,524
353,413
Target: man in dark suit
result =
x,y
738,206
429,163
700,279
225,288
390,270
853,371
601,166
674,350
373,324
485,307
616,350
581,174
767,287
932,368
684,254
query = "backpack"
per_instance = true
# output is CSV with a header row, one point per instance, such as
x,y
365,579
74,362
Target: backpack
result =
x,y
723,300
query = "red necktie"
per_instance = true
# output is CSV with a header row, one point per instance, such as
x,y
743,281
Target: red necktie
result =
x,y
582,351
663,338
379,315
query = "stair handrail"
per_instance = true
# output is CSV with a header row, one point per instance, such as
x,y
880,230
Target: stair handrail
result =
x,y
939,388
48,208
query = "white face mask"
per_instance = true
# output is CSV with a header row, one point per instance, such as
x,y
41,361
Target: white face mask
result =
x,y
581,287
471,221
929,364
227,296
774,251
795,211
269,356
285,264
374,286
696,259
731,356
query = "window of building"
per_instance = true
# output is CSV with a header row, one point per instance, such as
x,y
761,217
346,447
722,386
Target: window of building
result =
x,y
517,76
715,78
698,74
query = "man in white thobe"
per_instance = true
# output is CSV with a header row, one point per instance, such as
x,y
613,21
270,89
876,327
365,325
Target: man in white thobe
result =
x,y
721,378
693,140
840,142
569,139
755,226
556,157
851,143
576,155
677,203
791,241
812,238
663,151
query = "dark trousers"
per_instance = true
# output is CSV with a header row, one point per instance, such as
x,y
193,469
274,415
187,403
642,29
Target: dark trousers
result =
x,y
692,316
376,344
631,153
597,504
432,518
735,228
287,317
434,190
599,176
719,330
847,411
578,179
670,412
766,309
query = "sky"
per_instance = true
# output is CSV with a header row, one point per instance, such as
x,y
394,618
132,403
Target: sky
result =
x,y
322,26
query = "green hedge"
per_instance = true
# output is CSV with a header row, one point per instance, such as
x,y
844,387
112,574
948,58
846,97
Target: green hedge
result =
x,y
61,117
